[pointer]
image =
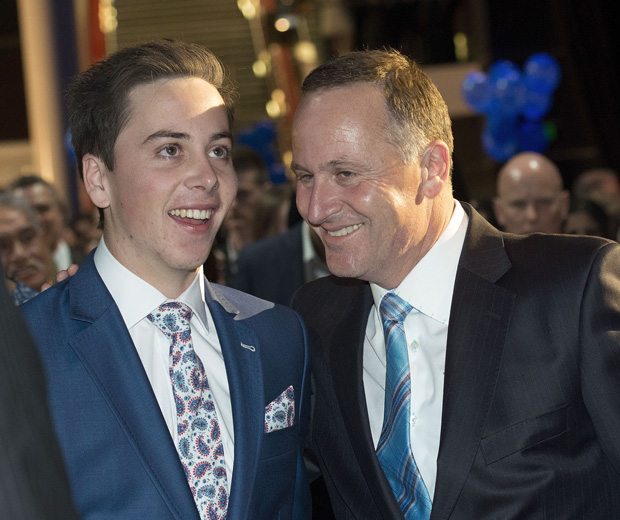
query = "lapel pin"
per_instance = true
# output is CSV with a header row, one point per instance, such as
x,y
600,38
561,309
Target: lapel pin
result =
x,y
249,347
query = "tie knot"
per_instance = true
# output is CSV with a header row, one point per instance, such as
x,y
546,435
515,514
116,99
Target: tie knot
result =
x,y
394,309
171,318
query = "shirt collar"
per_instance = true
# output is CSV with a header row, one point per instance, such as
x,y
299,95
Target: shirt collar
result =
x,y
429,285
135,297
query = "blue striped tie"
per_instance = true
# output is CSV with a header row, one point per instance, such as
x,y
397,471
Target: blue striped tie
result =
x,y
394,449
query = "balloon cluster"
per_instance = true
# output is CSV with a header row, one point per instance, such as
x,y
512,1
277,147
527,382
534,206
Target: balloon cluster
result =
x,y
514,102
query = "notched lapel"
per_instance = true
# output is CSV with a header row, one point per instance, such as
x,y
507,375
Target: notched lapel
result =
x,y
348,341
241,351
108,354
479,319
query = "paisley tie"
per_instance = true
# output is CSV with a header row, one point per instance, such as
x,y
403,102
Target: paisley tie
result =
x,y
200,445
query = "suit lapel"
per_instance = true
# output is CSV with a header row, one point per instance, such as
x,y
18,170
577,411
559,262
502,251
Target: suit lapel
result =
x,y
108,354
479,320
241,351
348,341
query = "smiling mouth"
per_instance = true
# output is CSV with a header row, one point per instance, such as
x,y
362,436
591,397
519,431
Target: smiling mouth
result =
x,y
344,231
194,214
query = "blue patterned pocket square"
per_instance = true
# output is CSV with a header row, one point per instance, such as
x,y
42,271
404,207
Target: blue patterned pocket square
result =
x,y
280,413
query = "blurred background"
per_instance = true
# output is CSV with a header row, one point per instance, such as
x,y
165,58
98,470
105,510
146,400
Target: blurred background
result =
x,y
268,46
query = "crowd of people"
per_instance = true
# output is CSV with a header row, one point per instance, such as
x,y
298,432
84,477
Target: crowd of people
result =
x,y
355,345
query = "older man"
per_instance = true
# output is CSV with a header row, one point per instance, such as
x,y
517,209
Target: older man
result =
x,y
172,397
530,196
26,256
52,215
460,373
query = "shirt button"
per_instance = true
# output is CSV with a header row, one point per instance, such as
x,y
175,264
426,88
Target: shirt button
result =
x,y
414,420
415,345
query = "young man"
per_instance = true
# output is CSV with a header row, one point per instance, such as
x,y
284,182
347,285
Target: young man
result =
x,y
171,397
500,378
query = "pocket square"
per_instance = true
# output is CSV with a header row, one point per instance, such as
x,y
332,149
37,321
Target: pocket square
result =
x,y
280,413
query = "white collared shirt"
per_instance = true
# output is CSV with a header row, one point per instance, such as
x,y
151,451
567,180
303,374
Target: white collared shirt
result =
x,y
135,299
428,288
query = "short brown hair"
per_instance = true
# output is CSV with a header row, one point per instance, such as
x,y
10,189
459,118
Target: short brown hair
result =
x,y
418,112
98,98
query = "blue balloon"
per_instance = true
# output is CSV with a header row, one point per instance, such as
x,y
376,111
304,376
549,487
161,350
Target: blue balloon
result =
x,y
507,89
536,106
532,137
476,91
500,138
542,73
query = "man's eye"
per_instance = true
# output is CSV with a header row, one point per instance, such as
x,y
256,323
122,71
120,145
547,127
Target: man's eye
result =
x,y
219,152
345,174
170,150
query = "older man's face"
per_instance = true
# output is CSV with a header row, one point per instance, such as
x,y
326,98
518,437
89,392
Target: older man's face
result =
x,y
353,187
47,210
26,257
531,200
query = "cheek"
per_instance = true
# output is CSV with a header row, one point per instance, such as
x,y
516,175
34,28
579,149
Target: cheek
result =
x,y
302,196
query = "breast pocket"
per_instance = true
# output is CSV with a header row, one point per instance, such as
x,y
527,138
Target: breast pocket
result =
x,y
524,435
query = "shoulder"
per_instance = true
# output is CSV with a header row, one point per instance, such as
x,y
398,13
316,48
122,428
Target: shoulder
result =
x,y
565,249
247,306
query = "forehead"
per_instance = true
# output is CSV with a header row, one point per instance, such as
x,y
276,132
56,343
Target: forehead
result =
x,y
340,124
359,104
12,218
35,193
528,183
172,98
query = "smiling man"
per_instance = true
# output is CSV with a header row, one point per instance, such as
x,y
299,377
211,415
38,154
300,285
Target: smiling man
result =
x,y
459,372
171,397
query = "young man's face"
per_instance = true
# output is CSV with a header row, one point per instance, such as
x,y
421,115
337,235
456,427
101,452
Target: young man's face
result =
x,y
172,184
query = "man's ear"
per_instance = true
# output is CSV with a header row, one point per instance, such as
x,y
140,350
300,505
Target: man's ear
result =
x,y
435,166
95,180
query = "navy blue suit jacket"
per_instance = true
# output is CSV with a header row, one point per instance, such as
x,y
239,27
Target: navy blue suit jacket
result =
x,y
531,407
121,460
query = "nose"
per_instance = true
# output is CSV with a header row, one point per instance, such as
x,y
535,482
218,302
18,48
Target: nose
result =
x,y
531,212
318,201
203,175
19,252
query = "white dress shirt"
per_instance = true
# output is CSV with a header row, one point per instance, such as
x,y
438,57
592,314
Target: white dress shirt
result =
x,y
428,288
135,299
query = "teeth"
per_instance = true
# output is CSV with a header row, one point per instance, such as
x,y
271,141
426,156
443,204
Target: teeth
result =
x,y
344,231
196,214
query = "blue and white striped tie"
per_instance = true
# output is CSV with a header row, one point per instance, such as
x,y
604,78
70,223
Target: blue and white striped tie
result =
x,y
394,449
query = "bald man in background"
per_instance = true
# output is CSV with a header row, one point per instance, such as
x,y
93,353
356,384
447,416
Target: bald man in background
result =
x,y
530,196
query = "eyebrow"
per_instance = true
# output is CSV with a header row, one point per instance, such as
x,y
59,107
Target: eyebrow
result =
x,y
334,163
169,134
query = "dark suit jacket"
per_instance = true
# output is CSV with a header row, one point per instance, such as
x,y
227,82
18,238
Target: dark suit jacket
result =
x,y
33,481
273,268
531,409
120,456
